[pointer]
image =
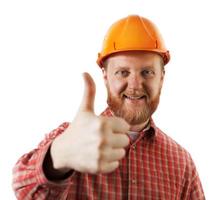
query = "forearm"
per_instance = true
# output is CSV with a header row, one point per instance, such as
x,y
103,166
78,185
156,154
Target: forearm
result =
x,y
29,178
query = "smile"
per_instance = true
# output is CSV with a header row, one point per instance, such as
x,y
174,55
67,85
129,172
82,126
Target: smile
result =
x,y
134,97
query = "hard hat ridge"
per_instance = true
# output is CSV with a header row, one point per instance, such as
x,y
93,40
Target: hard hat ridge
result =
x,y
133,33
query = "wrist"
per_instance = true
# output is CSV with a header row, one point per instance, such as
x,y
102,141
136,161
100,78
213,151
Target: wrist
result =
x,y
54,173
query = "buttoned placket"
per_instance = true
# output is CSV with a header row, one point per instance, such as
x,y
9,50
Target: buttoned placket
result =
x,y
132,179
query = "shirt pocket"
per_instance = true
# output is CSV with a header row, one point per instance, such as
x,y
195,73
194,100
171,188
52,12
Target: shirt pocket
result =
x,y
169,185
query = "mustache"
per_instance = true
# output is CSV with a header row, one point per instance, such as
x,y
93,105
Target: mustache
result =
x,y
135,93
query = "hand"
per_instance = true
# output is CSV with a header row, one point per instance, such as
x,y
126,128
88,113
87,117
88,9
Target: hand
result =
x,y
91,144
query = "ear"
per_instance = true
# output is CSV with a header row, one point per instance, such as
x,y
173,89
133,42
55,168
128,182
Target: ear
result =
x,y
104,72
162,77
163,73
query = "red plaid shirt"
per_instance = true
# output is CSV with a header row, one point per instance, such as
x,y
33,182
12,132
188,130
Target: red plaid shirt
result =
x,y
154,168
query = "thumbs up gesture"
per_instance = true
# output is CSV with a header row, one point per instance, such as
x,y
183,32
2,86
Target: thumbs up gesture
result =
x,y
91,144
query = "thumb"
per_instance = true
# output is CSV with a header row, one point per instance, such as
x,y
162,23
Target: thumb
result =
x,y
87,103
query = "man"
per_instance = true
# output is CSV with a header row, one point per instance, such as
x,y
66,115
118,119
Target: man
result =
x,y
120,154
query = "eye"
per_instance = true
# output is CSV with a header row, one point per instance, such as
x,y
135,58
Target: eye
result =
x,y
122,73
148,73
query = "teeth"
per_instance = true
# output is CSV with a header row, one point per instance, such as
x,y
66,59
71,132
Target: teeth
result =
x,y
130,97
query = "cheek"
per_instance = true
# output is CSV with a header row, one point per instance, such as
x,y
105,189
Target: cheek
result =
x,y
153,89
116,87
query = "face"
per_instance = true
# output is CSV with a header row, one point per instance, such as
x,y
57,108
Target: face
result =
x,y
133,81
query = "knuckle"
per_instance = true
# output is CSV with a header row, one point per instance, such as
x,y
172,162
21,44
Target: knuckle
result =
x,y
115,165
100,124
122,153
126,140
104,154
101,167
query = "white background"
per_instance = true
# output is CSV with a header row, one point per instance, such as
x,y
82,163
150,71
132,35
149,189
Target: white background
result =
x,y
46,45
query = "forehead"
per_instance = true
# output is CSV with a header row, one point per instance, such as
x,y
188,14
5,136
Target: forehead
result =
x,y
134,59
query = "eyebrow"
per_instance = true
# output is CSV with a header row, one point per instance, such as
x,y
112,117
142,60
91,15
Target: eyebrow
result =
x,y
120,67
148,66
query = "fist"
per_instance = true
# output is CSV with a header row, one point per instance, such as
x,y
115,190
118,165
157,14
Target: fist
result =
x,y
91,144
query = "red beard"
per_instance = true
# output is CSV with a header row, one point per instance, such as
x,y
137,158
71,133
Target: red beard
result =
x,y
133,114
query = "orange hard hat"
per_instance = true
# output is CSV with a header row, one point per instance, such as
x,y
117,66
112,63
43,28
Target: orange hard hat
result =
x,y
133,33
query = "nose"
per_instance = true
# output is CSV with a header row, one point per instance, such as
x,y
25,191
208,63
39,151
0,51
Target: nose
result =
x,y
135,81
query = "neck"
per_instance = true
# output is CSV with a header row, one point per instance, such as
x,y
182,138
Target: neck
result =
x,y
139,127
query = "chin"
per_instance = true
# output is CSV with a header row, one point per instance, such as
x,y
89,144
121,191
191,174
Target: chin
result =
x,y
133,114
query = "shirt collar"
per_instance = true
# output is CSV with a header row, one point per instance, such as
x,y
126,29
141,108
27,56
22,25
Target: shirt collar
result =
x,y
149,132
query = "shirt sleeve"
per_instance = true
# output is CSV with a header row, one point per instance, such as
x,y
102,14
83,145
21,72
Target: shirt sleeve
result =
x,y
193,189
29,180
196,189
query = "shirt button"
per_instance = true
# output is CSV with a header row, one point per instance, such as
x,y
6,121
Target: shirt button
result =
x,y
134,147
133,181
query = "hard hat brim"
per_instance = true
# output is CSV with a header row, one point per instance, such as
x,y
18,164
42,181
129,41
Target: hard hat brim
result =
x,y
164,54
